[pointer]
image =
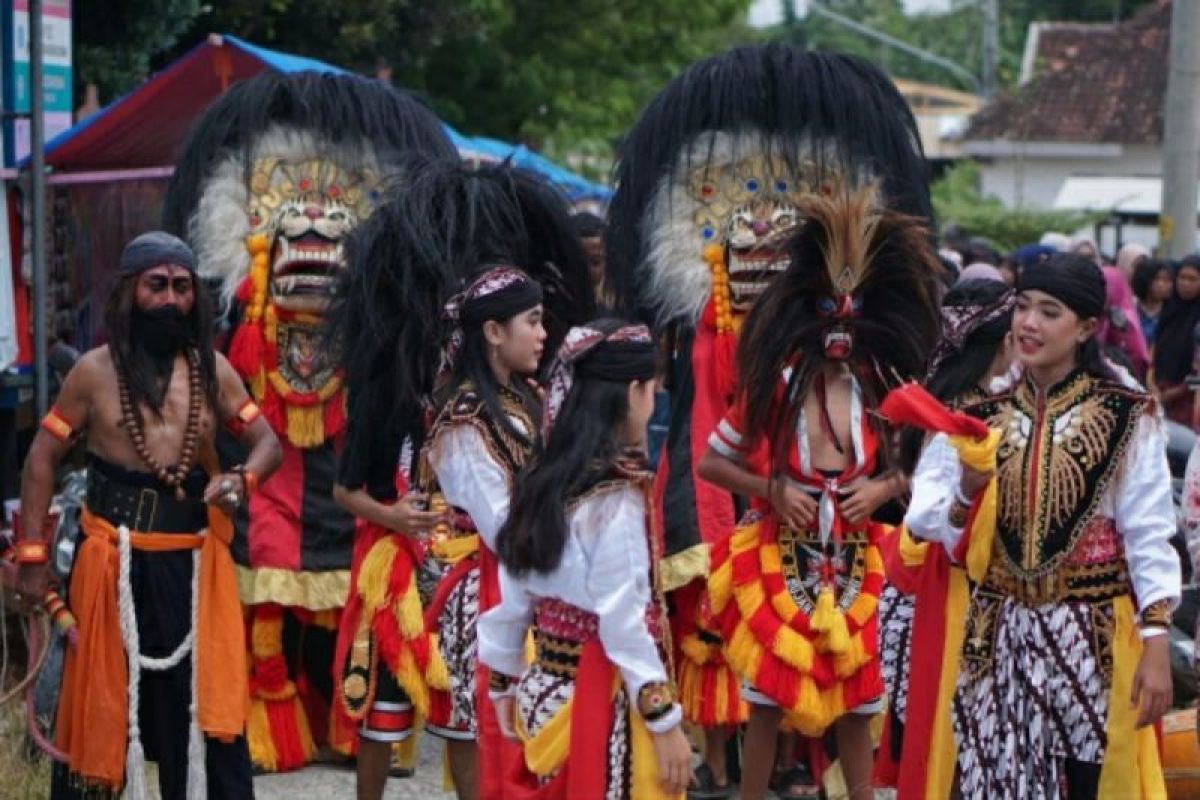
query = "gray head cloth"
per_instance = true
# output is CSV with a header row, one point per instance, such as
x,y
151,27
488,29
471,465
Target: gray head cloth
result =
x,y
154,248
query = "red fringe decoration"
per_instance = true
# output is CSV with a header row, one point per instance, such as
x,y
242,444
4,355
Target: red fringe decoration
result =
x,y
285,734
274,411
245,291
724,353
384,626
269,675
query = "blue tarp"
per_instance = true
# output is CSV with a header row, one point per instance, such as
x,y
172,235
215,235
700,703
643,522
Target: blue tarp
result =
x,y
145,127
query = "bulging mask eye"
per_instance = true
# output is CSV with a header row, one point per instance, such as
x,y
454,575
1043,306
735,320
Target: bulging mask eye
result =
x,y
827,306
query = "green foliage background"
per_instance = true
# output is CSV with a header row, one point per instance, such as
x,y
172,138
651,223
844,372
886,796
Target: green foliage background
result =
x,y
957,200
566,78
956,34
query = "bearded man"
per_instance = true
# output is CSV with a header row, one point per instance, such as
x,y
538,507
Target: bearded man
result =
x,y
160,655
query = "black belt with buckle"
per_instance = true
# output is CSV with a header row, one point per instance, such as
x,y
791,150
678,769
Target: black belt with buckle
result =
x,y
140,502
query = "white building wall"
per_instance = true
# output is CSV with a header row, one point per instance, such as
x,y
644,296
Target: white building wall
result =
x,y
1035,180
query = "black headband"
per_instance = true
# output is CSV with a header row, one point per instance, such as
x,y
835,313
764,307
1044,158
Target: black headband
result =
x,y
1074,280
503,303
619,361
154,248
609,352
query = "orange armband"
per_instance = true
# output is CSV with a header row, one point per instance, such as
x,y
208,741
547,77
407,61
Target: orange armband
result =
x,y
57,425
249,480
244,418
32,552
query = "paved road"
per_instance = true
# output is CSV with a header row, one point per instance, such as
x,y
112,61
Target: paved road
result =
x,y
329,783
334,783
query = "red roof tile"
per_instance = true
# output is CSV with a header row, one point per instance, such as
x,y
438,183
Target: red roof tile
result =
x,y
1091,83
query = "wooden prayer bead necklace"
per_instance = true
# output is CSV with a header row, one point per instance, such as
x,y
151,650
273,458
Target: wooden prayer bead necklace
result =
x,y
133,423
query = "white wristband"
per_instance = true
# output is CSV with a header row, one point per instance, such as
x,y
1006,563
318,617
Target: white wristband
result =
x,y
667,721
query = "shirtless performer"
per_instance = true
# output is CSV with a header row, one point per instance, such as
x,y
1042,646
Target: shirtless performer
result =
x,y
161,645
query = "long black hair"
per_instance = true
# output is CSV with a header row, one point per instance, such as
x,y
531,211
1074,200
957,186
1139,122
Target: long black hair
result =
x,y
580,451
147,377
471,367
442,223
962,371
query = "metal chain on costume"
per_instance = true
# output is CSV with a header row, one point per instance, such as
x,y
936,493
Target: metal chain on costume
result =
x,y
135,757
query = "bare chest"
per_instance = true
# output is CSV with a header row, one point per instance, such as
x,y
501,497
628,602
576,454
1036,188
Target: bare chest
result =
x,y
163,434
827,416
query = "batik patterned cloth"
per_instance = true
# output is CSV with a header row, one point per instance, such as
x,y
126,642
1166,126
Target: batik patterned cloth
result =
x,y
459,648
895,645
1033,693
542,693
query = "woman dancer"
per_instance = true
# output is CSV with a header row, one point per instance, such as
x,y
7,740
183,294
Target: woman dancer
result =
x,y
579,559
1064,656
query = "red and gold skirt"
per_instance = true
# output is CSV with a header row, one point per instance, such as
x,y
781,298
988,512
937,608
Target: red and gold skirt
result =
x,y
799,618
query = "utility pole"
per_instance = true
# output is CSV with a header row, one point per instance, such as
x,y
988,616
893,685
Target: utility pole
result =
x,y
1181,145
37,183
991,45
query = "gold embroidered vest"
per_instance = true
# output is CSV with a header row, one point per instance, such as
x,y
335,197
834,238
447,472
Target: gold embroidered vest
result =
x,y
1061,450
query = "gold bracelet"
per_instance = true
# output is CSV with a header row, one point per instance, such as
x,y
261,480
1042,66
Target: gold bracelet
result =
x,y
1157,615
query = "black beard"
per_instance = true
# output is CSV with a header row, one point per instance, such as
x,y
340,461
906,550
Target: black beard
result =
x,y
157,338
163,332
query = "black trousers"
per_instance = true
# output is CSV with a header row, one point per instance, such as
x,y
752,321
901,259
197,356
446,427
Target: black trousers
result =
x,y
162,597
164,720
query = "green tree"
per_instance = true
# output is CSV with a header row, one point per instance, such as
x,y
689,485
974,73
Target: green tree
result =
x,y
956,34
115,42
957,200
566,78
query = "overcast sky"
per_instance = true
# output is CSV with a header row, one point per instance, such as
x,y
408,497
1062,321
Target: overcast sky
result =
x,y
768,12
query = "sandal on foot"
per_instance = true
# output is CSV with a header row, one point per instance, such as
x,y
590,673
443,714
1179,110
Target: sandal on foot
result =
x,y
796,783
704,786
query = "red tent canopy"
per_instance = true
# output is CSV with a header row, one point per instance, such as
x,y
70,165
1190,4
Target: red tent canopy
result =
x,y
146,127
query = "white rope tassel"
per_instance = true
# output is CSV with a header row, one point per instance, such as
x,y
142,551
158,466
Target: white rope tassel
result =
x,y
197,776
135,756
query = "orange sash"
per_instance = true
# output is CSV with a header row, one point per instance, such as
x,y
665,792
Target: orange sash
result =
x,y
93,706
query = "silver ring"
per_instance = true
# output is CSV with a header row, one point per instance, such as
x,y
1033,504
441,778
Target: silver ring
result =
x,y
232,498
226,485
